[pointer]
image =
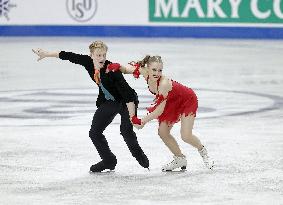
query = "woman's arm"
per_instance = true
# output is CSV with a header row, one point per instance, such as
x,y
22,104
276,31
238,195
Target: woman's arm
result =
x,y
130,69
164,88
155,114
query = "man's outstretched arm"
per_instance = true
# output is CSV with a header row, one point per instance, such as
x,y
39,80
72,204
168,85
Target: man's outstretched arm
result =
x,y
43,54
79,59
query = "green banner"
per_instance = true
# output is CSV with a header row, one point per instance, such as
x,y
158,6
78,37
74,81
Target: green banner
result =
x,y
216,11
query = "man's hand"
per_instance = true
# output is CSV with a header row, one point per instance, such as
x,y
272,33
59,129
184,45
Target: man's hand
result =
x,y
41,53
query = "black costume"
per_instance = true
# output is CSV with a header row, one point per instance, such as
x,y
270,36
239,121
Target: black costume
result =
x,y
114,93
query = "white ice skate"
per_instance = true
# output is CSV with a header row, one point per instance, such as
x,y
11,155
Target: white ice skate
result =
x,y
207,162
178,162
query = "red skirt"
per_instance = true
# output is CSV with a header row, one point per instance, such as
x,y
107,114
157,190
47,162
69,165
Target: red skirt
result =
x,y
180,100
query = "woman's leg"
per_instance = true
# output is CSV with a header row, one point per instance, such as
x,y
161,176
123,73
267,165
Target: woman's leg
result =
x,y
168,139
179,160
187,123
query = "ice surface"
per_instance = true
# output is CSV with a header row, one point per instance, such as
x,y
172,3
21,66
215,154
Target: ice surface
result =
x,y
46,109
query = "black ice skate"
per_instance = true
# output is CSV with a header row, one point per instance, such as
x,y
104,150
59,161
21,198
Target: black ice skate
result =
x,y
103,166
143,160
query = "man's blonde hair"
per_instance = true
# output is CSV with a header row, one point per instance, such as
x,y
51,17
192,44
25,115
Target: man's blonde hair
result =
x,y
97,45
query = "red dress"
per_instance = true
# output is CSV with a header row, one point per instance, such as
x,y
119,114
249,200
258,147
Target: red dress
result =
x,y
180,100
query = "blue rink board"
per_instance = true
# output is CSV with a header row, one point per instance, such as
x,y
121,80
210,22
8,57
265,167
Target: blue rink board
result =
x,y
145,31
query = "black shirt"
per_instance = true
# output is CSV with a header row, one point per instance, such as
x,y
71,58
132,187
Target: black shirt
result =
x,y
113,82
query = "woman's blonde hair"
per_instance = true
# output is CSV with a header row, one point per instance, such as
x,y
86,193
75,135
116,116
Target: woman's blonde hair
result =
x,y
150,59
97,45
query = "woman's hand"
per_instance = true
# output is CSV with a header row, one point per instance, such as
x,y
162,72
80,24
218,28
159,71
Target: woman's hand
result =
x,y
113,67
137,123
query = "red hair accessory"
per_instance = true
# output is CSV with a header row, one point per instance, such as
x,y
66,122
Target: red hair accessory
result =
x,y
136,120
137,66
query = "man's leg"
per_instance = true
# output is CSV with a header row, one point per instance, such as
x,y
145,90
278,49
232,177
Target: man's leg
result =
x,y
101,119
126,129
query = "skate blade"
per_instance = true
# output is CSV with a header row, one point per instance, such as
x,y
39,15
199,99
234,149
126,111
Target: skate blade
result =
x,y
182,169
212,166
107,171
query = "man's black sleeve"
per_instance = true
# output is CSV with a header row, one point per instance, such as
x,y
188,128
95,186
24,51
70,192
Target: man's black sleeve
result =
x,y
127,93
83,60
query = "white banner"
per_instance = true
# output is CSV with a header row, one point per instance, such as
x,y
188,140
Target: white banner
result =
x,y
73,12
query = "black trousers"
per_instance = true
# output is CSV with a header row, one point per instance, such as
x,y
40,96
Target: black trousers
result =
x,y
102,118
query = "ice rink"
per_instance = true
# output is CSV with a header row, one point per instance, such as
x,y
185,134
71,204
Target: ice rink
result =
x,y
46,110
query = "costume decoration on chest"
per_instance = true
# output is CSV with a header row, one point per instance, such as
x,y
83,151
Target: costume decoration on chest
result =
x,y
157,101
137,66
96,76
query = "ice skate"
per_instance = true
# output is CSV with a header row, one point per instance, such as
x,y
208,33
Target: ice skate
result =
x,y
143,160
178,162
207,161
104,166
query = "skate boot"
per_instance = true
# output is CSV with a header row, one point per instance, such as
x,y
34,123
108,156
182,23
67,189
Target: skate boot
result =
x,y
104,165
207,162
143,160
178,162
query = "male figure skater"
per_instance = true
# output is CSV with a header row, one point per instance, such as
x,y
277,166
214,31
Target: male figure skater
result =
x,y
115,96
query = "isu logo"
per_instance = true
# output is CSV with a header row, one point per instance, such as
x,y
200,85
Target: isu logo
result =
x,y
81,10
5,7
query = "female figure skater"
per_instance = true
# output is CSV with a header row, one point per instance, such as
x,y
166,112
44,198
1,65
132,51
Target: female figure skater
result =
x,y
174,102
115,96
